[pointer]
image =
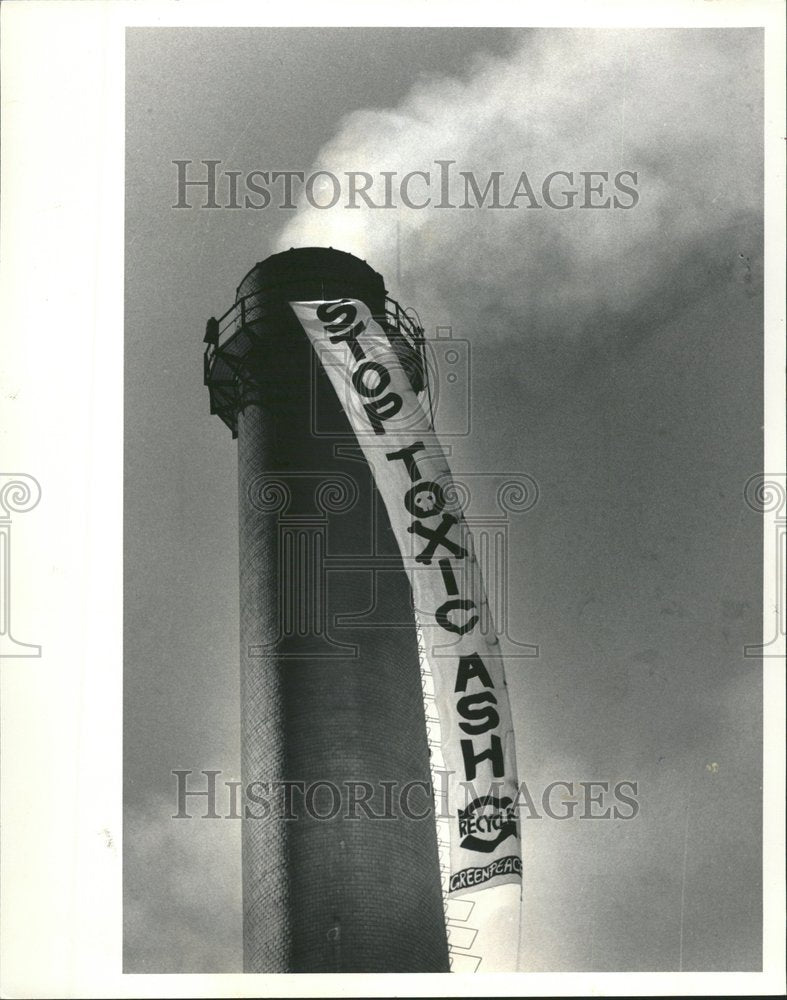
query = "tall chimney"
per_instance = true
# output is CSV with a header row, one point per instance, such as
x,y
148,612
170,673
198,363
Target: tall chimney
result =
x,y
330,681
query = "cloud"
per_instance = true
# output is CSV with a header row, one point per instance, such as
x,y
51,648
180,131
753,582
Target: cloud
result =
x,y
181,892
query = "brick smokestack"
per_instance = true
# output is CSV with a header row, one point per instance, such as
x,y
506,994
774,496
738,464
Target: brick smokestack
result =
x,y
330,680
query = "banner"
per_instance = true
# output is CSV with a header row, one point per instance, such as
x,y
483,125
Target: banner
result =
x,y
462,650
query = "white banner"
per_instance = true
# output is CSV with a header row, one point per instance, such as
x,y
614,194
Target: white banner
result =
x,y
462,650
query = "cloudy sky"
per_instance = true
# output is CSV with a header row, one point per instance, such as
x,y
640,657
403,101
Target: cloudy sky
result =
x,y
616,359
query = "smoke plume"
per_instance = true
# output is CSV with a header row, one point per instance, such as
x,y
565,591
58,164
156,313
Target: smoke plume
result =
x,y
665,104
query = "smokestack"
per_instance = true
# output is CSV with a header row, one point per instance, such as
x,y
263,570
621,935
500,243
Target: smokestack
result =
x,y
330,681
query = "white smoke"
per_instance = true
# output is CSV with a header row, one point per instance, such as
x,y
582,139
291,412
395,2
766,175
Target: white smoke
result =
x,y
663,103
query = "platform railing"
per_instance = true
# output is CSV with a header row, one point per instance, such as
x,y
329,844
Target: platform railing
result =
x,y
218,331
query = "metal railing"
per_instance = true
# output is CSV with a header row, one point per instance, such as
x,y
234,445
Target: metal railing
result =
x,y
245,311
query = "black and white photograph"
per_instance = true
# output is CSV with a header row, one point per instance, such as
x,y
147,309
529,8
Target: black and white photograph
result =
x,y
398,569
